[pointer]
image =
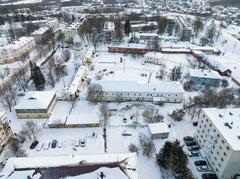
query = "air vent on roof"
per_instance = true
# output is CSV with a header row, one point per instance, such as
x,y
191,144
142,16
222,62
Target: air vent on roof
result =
x,y
227,125
230,113
220,115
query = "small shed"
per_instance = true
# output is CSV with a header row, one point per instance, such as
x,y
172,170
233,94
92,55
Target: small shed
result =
x,y
159,130
82,120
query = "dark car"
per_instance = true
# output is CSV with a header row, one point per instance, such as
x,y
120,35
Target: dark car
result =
x,y
188,138
54,144
209,176
34,144
191,143
200,162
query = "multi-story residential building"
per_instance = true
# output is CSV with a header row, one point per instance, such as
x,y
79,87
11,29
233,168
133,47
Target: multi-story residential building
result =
x,y
17,51
204,77
109,31
164,91
5,130
73,29
218,134
53,24
72,90
40,34
184,30
36,104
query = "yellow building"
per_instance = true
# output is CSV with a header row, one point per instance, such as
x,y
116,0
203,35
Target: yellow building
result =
x,y
5,130
36,104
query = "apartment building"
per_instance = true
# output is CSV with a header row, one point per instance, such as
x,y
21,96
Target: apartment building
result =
x,y
72,90
73,29
184,30
17,50
109,31
53,24
5,130
218,135
36,104
164,91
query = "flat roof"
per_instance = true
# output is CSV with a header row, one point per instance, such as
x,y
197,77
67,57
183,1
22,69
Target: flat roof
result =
x,y
82,119
133,86
160,127
221,117
35,100
128,45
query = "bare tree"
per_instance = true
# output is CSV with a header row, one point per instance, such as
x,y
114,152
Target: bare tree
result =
x,y
94,92
8,95
211,32
66,55
151,116
15,147
133,148
104,112
147,145
31,129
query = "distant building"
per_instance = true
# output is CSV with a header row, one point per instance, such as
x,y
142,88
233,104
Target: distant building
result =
x,y
184,30
53,24
36,104
218,135
159,130
146,37
72,90
40,34
109,31
17,51
133,91
82,120
88,58
117,166
132,48
205,77
5,130
73,29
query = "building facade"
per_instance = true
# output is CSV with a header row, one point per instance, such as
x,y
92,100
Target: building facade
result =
x,y
5,130
133,91
218,135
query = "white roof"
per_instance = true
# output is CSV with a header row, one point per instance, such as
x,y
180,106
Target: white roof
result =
x,y
132,86
220,117
35,100
160,127
70,160
129,45
82,119
204,74
57,119
40,31
72,87
109,26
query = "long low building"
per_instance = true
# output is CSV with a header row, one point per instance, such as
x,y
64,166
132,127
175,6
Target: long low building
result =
x,y
36,104
166,91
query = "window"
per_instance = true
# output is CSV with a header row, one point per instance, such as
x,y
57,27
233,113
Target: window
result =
x,y
222,159
224,154
216,169
220,147
218,135
210,125
228,148
215,158
203,116
223,141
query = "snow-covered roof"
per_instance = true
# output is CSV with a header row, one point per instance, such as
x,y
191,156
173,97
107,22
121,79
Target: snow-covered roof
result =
x,y
82,119
3,116
72,87
128,45
29,164
132,86
40,31
204,74
221,118
36,100
57,119
157,128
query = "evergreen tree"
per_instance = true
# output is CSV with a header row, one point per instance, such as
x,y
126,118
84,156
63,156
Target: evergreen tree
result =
x,y
37,76
127,27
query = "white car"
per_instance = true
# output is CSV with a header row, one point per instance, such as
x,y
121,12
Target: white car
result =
x,y
40,146
60,144
46,145
203,168
82,143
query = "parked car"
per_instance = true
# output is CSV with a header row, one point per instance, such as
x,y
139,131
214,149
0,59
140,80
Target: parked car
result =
x,y
203,168
191,143
76,143
188,138
126,133
46,145
40,146
193,154
209,176
54,144
193,148
82,143
200,162
60,144
34,144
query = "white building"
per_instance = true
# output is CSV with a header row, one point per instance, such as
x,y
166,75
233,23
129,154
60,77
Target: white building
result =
x,y
53,24
40,33
167,91
218,134
72,90
17,50
89,55
155,58
109,31
159,130
72,30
